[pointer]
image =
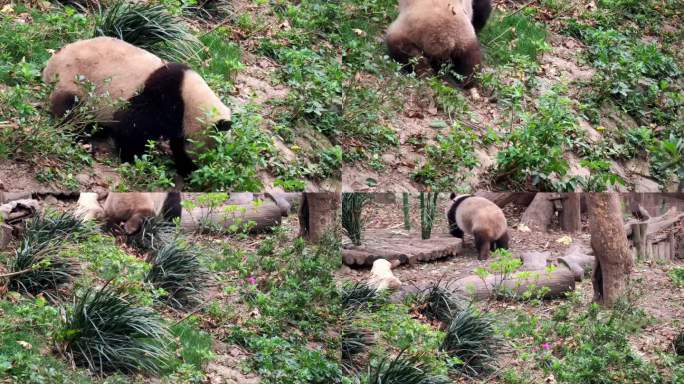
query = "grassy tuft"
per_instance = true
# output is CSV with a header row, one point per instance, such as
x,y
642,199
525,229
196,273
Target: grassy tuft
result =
x,y
39,268
354,296
154,233
177,271
151,27
354,341
471,339
105,330
37,265
402,370
437,302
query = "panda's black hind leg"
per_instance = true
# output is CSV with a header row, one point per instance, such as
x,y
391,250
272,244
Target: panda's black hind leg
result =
x,y
481,11
184,164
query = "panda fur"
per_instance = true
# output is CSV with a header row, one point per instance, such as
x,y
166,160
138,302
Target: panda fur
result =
x,y
166,100
481,218
131,208
444,31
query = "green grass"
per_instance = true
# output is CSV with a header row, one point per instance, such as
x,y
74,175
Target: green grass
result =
x,y
508,35
676,274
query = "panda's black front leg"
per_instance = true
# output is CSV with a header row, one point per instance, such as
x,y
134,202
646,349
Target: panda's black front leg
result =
x,y
184,164
455,231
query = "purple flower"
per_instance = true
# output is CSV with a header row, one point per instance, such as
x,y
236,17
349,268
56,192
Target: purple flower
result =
x,y
546,346
250,279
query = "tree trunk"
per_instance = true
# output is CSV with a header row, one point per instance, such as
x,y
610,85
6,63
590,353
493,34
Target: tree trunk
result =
x,y
538,215
609,242
317,214
570,216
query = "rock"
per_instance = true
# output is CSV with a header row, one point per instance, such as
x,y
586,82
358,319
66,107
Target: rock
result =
x,y
83,179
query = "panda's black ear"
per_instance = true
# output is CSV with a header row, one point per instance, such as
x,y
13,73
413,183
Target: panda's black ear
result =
x,y
224,125
451,197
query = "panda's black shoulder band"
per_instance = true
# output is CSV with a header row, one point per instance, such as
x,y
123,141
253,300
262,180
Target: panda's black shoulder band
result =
x,y
459,200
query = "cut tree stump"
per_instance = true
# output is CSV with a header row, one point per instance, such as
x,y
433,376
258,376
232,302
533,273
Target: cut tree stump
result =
x,y
578,260
539,213
400,247
570,218
558,282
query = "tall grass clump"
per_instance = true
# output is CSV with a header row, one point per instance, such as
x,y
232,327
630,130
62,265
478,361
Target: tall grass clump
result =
x,y
154,233
357,295
105,330
437,302
151,27
37,265
403,370
470,338
352,207
176,270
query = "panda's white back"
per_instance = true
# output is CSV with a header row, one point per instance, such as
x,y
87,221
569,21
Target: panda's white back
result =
x,y
112,65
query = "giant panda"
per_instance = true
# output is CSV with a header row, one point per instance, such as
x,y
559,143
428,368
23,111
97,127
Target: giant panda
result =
x,y
163,99
480,217
444,31
132,208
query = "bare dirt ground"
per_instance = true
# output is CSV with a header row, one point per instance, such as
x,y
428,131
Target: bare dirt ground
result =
x,y
653,290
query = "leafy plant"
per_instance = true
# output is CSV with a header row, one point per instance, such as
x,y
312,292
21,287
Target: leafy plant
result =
x,y
104,330
679,344
471,339
176,270
677,276
151,27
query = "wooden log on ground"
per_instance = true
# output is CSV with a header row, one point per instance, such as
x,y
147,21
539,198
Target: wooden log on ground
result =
x,y
657,223
258,218
538,215
558,282
534,261
399,249
17,210
578,260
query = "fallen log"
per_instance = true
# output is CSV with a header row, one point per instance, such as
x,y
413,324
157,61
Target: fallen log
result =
x,y
546,284
578,261
18,210
655,224
234,217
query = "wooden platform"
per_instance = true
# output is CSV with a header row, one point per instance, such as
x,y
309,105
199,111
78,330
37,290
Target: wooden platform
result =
x,y
397,245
